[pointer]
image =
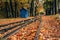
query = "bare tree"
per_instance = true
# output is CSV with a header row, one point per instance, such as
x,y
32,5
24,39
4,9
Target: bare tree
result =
x,y
16,11
11,8
6,8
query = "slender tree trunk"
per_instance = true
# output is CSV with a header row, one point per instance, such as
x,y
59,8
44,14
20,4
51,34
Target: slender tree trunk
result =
x,y
46,9
16,14
32,8
1,6
55,7
6,9
11,8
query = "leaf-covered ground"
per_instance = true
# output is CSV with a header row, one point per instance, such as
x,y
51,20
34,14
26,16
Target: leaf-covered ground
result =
x,y
50,30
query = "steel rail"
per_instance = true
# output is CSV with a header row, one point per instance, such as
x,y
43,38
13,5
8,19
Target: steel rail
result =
x,y
38,31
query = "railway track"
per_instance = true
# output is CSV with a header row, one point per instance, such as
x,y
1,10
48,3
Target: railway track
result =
x,y
15,28
38,31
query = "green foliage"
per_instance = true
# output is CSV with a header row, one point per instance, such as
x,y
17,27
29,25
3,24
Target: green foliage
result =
x,y
41,13
47,4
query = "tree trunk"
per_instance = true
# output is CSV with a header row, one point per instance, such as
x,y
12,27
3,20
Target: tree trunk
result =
x,y
16,14
6,9
11,8
31,8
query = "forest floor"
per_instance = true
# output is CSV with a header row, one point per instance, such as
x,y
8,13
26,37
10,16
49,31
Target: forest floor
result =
x,y
50,27
28,33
